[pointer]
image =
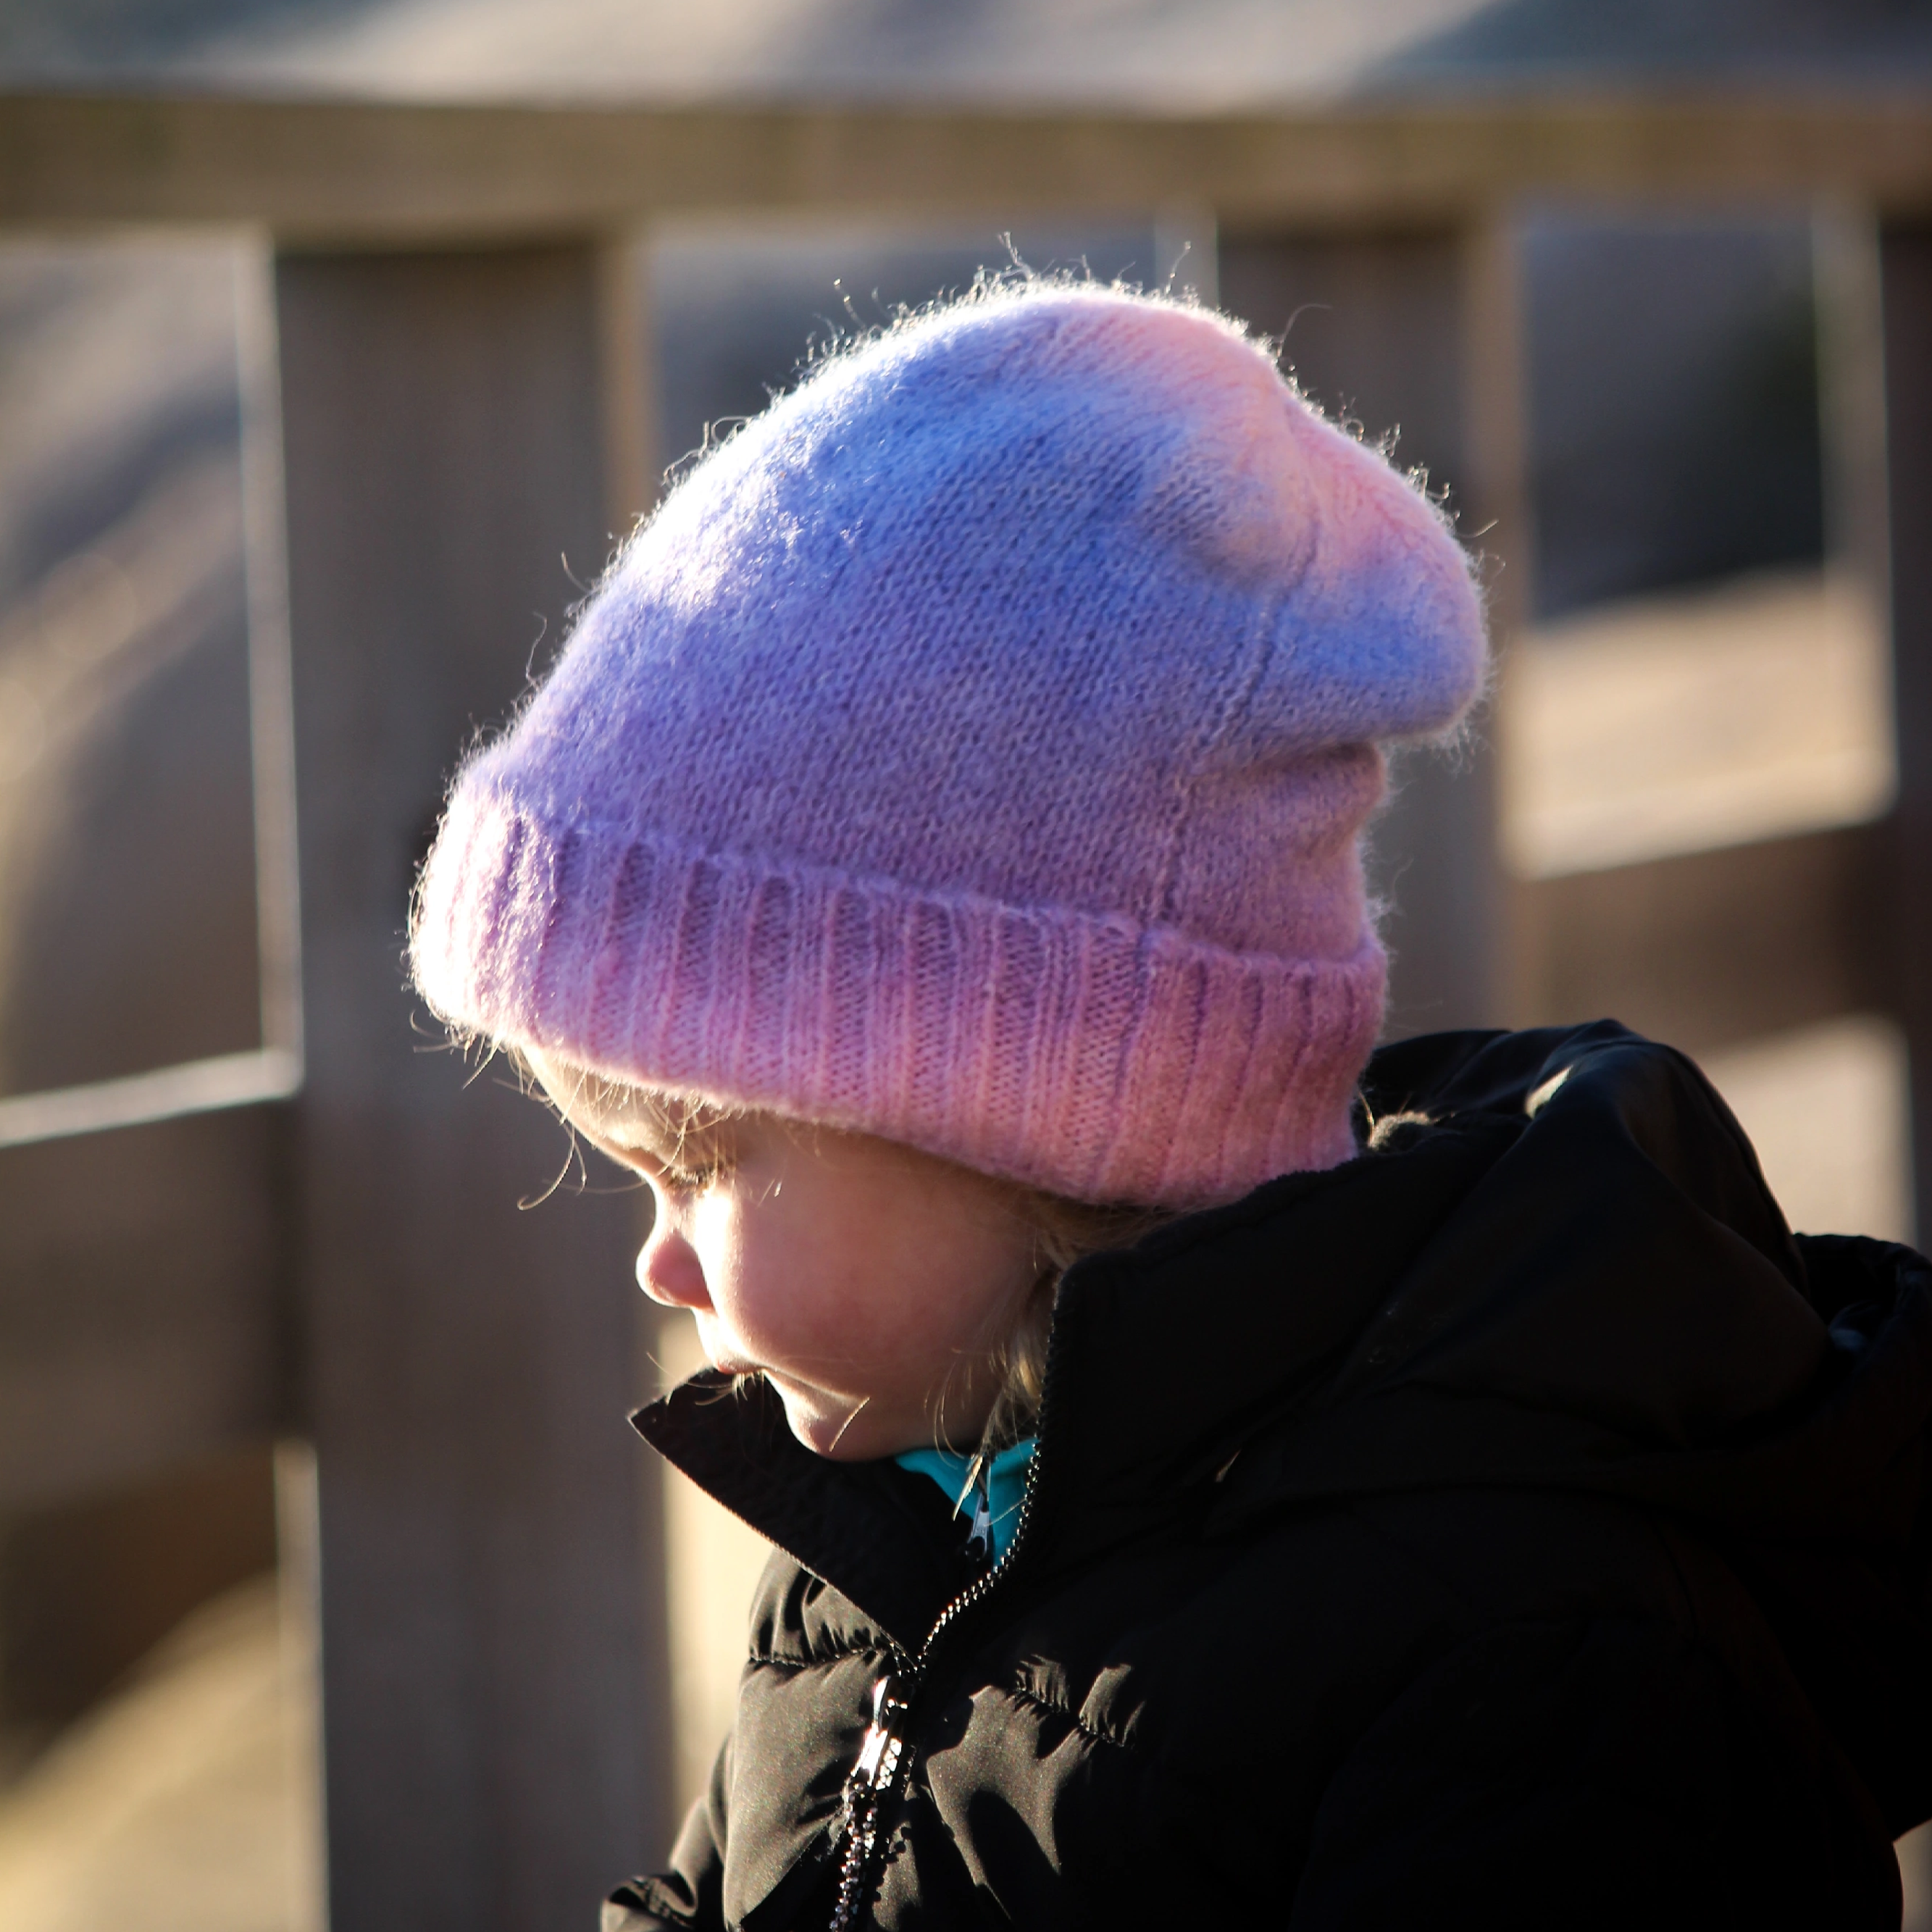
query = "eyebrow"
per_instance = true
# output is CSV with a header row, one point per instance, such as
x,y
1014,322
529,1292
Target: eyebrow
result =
x,y
676,1135
671,1131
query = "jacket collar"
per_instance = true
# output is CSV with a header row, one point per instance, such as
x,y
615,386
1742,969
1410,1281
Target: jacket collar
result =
x,y
878,1534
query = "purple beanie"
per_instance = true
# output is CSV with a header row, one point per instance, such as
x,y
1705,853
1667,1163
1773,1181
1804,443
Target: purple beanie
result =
x,y
973,751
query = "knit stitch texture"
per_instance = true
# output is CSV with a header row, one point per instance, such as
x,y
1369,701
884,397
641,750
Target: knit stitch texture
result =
x,y
974,751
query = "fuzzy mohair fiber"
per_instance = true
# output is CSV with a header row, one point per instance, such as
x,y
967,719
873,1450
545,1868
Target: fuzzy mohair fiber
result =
x,y
974,751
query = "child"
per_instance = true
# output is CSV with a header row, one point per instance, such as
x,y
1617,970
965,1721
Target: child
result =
x,y
1217,1478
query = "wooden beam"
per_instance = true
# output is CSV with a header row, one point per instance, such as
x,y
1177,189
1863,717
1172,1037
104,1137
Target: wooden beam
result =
x,y
495,1719
142,1320
340,172
1380,336
1713,948
1905,256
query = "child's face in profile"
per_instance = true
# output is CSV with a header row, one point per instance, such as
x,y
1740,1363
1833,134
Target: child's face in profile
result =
x,y
865,1281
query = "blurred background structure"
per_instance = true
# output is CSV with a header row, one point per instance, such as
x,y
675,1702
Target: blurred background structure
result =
x,y
339,341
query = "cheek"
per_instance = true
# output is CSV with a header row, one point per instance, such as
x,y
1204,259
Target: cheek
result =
x,y
775,1279
713,1227
981,1283
816,1286
865,1280
935,1282
709,1226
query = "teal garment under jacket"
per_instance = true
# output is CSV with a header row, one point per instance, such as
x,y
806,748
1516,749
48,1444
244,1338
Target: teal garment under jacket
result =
x,y
1005,1482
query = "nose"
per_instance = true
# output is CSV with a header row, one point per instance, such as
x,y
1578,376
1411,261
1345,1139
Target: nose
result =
x,y
670,1271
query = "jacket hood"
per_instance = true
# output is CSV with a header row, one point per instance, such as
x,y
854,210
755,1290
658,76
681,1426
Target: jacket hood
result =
x,y
1557,1266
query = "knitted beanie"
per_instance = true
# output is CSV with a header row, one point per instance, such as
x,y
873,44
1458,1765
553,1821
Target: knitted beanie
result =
x,y
973,751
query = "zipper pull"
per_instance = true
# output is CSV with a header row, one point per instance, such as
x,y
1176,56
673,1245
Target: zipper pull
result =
x,y
981,1531
865,1790
880,1750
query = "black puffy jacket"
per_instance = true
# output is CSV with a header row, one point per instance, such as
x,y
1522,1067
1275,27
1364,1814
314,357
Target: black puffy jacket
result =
x,y
1513,1527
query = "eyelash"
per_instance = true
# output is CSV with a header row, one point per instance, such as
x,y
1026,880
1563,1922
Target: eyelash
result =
x,y
692,1180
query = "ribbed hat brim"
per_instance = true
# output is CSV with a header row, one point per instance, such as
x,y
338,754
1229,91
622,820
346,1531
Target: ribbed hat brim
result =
x,y
1084,1055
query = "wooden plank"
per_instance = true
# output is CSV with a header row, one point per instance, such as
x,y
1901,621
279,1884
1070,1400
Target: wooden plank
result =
x,y
1497,520
1906,271
495,1725
142,1323
1374,330
399,173
1714,948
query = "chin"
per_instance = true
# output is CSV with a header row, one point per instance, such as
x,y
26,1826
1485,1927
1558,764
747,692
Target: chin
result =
x,y
839,1437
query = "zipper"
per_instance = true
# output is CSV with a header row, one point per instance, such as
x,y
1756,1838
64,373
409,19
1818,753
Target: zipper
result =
x,y
883,1757
867,1787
